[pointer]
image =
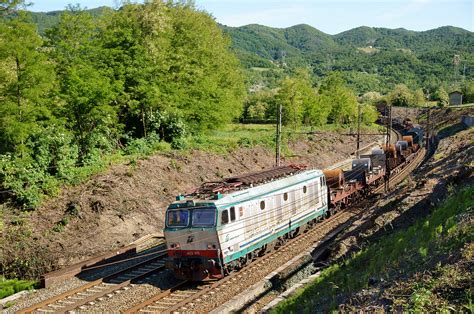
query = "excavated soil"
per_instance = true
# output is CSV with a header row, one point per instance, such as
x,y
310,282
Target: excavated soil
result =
x,y
128,201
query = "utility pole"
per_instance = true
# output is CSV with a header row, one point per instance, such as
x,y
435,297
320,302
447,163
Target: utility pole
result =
x,y
358,131
388,115
428,130
278,137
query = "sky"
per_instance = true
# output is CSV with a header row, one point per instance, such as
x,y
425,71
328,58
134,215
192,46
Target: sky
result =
x,y
331,17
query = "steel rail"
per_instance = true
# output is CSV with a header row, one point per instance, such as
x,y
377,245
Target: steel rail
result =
x,y
79,296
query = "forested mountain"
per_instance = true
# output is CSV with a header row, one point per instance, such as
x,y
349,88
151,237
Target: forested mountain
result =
x,y
370,58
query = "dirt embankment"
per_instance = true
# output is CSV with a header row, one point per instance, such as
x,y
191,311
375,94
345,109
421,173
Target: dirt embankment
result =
x,y
128,201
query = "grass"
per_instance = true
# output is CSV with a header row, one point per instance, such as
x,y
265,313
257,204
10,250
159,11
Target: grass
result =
x,y
12,286
249,135
415,258
233,136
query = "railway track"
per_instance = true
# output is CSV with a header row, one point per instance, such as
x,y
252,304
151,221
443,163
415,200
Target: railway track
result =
x,y
100,288
404,171
185,296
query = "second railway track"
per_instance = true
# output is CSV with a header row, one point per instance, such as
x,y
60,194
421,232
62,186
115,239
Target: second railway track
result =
x,y
100,288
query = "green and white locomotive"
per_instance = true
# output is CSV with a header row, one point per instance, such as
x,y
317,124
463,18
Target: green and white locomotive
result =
x,y
223,225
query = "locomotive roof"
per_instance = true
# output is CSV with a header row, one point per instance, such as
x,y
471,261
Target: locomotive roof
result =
x,y
218,189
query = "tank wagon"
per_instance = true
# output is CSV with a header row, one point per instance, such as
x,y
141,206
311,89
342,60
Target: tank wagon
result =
x,y
221,226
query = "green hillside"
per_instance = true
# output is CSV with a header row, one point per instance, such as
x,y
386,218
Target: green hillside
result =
x,y
370,58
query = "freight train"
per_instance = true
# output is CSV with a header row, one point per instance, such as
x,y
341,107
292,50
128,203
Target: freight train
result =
x,y
222,226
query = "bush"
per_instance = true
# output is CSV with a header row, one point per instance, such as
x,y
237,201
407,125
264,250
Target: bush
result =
x,y
179,143
12,286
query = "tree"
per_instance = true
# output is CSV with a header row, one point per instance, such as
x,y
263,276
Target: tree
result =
x,y
342,99
203,81
84,85
442,97
371,97
369,114
468,92
27,79
401,96
419,97
7,7
259,105
296,96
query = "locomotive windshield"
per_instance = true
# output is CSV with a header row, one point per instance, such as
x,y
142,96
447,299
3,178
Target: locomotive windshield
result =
x,y
194,217
203,217
178,218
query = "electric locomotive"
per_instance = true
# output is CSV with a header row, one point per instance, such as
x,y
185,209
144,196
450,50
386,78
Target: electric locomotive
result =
x,y
221,226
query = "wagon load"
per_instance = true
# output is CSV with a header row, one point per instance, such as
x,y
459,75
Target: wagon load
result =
x,y
334,178
402,147
377,159
390,149
409,140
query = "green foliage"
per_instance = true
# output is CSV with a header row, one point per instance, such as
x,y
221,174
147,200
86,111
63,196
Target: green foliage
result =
x,y
12,286
131,81
26,80
419,98
442,97
333,103
416,59
343,100
435,238
468,92
401,96
369,114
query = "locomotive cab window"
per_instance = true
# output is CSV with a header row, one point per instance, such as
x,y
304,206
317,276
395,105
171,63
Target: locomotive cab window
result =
x,y
262,205
203,217
232,213
305,189
178,218
285,196
225,217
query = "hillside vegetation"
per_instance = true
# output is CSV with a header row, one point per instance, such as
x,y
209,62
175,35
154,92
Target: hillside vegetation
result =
x,y
103,82
425,268
417,59
87,87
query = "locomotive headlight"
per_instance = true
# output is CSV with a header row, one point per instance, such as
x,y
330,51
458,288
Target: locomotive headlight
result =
x,y
211,246
174,245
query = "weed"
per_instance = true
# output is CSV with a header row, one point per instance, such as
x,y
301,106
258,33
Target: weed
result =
x,y
12,286
175,165
59,226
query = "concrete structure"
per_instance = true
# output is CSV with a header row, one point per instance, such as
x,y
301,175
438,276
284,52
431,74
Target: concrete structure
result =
x,y
467,121
455,98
